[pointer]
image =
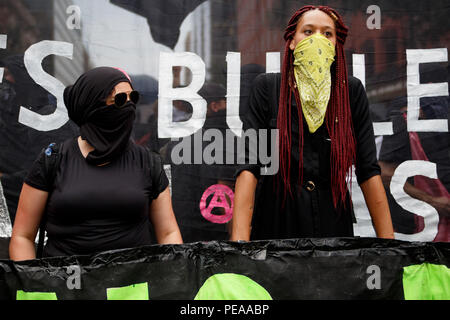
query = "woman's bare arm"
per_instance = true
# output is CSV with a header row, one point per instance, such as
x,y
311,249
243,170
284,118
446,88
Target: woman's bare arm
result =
x,y
29,213
378,206
163,219
244,199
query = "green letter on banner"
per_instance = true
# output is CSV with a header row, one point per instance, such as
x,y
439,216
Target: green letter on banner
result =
x,y
133,292
230,286
22,295
426,282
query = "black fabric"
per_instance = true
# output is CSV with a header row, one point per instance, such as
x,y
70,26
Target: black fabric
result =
x,y
293,269
106,128
306,213
97,208
164,17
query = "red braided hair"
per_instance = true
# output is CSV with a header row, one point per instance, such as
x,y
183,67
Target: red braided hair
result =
x,y
338,117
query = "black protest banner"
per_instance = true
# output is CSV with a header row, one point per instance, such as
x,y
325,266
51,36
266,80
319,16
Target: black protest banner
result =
x,y
360,268
398,49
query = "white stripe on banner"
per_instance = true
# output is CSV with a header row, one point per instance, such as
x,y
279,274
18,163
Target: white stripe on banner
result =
x,y
5,221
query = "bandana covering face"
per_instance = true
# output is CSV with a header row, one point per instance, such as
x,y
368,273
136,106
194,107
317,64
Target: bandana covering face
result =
x,y
313,57
106,128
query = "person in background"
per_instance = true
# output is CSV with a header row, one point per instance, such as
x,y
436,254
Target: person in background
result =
x,y
190,181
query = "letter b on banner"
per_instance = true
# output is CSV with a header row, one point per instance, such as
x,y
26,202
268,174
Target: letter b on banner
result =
x,y
167,94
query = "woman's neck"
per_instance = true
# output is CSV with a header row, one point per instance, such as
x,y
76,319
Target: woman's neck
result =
x,y
85,147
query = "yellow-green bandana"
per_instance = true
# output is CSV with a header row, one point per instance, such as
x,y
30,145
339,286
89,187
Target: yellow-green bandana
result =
x,y
313,57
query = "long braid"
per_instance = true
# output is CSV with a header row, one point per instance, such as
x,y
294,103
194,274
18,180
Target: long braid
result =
x,y
284,111
338,117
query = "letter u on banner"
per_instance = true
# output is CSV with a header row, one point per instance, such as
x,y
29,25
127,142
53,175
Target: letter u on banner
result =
x,y
167,94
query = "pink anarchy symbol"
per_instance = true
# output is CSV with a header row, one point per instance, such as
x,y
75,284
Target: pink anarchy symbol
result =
x,y
218,201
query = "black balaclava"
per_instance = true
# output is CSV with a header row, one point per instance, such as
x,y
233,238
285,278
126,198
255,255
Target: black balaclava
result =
x,y
106,128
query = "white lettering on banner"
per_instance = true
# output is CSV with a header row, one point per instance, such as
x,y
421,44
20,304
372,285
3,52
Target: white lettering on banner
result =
x,y
167,94
233,92
363,226
169,129
431,218
168,171
416,90
272,62
3,42
359,68
359,71
33,63
74,20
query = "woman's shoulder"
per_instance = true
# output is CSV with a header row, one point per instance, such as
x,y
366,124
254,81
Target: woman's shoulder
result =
x,y
149,156
267,79
354,84
61,147
142,149
267,86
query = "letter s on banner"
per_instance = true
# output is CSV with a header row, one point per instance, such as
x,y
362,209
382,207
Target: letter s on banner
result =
x,y
167,94
431,217
33,63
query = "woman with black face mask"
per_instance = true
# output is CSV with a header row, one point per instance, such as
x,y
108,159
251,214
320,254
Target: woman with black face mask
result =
x,y
103,189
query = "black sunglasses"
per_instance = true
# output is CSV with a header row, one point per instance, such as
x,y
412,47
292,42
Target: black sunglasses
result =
x,y
121,98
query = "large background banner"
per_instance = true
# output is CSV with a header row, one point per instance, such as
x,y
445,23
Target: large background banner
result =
x,y
171,48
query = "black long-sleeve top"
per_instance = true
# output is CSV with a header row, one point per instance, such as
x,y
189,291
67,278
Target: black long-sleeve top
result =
x,y
308,213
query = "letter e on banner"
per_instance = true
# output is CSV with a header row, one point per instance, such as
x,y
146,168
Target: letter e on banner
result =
x,y
417,90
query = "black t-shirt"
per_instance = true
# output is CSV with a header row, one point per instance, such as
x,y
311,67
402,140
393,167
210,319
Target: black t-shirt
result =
x,y
306,213
190,182
98,208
